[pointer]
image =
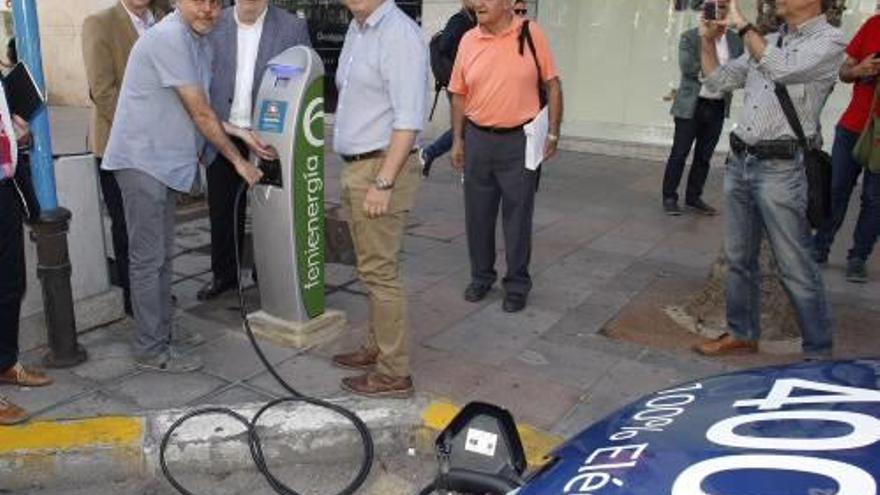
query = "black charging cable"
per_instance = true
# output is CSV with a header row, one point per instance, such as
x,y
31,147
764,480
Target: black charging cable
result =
x,y
251,425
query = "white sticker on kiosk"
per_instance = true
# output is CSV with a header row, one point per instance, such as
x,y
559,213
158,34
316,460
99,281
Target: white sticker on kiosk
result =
x,y
481,442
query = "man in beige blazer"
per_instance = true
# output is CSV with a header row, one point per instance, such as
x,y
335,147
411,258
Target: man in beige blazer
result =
x,y
108,37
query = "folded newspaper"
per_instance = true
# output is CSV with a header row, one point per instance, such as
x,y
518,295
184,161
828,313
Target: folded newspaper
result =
x,y
536,138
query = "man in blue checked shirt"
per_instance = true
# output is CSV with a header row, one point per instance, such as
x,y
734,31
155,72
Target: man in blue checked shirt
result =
x,y
383,86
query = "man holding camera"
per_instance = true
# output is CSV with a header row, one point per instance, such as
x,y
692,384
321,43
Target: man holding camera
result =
x,y
765,186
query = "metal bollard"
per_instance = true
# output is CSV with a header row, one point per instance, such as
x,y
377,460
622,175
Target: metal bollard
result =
x,y
53,270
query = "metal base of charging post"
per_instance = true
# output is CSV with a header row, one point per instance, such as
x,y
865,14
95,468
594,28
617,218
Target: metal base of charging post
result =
x,y
54,271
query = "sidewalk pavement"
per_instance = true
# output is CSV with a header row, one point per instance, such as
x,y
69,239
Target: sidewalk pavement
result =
x,y
601,243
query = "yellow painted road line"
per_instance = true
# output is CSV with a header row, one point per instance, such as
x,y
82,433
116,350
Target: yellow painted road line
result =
x,y
71,435
536,443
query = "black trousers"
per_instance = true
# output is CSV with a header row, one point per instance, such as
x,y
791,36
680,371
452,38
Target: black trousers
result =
x,y
223,184
12,273
118,229
495,175
704,129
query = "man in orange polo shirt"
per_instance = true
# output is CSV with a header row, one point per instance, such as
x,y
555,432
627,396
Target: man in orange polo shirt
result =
x,y
498,76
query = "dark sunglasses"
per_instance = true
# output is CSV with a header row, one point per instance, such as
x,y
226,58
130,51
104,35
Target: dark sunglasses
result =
x,y
521,11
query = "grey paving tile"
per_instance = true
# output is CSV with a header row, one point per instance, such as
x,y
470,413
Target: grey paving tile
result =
x,y
152,390
575,367
192,264
92,405
65,387
191,236
444,375
336,274
590,317
232,357
616,244
312,375
491,336
186,291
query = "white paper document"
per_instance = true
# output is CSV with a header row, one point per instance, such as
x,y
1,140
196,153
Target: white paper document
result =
x,y
536,137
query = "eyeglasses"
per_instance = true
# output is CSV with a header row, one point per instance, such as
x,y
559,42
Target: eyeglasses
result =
x,y
521,11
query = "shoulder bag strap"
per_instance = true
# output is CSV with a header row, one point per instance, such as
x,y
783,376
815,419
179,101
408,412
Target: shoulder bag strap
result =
x,y
525,36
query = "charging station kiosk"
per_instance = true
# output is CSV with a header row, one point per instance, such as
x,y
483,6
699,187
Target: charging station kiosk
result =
x,y
288,204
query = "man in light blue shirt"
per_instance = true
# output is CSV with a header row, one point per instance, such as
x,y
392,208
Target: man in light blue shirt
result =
x,y
162,118
383,86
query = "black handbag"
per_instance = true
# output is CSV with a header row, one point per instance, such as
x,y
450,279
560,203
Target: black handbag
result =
x,y
816,162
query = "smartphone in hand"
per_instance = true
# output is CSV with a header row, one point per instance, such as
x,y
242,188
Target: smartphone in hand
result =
x,y
709,11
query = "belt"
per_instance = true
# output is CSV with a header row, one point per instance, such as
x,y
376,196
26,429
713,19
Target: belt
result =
x,y
497,130
369,155
780,149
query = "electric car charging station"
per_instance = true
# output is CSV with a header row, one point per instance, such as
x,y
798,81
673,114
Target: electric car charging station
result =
x,y
288,204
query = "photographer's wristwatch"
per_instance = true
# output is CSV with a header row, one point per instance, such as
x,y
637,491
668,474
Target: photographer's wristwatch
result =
x,y
383,184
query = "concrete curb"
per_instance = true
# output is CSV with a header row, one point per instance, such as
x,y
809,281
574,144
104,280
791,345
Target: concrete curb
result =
x,y
89,451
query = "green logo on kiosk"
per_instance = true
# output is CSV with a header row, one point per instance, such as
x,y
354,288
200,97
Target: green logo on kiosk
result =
x,y
309,196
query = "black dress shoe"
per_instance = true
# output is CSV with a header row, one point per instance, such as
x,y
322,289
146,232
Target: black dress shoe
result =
x,y
476,292
700,206
514,303
214,289
671,208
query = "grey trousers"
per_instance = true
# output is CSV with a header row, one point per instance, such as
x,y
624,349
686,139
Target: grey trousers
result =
x,y
149,213
495,175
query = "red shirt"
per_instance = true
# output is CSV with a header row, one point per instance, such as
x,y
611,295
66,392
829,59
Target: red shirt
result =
x,y
865,42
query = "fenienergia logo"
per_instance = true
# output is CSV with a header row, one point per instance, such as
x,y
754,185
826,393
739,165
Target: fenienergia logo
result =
x,y
314,112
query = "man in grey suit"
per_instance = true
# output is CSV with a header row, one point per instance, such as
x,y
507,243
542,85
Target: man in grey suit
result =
x,y
247,36
699,117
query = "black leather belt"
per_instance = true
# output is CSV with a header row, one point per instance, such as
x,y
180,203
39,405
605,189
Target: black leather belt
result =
x,y
369,155
497,130
778,149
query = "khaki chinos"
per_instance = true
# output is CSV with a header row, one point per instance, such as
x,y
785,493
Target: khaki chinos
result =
x,y
377,244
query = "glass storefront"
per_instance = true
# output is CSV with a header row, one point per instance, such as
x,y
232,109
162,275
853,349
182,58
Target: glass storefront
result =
x,y
619,64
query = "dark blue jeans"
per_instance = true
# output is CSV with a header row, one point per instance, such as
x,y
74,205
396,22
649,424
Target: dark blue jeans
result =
x,y
769,197
440,146
845,174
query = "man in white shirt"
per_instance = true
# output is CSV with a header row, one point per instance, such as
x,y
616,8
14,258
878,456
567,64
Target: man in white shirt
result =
x,y
248,35
699,119
108,37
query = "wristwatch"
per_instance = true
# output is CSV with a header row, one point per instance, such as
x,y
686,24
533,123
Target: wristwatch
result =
x,y
553,137
383,184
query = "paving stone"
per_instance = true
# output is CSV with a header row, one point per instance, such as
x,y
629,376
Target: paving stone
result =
x,y
154,390
617,244
491,336
446,376
575,367
570,282
192,264
96,404
311,375
190,236
590,317
628,381
186,292
38,399
531,399
336,274
439,229
441,306
232,357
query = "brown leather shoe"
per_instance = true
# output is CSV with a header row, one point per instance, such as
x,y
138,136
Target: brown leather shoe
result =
x,y
360,359
10,414
377,385
724,345
18,375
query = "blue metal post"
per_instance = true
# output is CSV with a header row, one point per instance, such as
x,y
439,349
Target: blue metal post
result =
x,y
49,233
27,42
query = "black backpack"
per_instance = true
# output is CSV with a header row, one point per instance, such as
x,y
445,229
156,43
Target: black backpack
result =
x,y
441,67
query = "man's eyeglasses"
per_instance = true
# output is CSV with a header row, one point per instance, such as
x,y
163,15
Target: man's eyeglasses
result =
x,y
521,11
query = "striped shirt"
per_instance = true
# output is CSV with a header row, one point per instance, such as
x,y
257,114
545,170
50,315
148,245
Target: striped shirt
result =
x,y
806,63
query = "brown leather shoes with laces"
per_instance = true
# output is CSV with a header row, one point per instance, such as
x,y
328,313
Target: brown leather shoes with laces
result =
x,y
360,359
10,414
724,345
18,375
379,386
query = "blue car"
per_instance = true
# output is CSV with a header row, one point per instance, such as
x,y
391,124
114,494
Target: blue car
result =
x,y
804,429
